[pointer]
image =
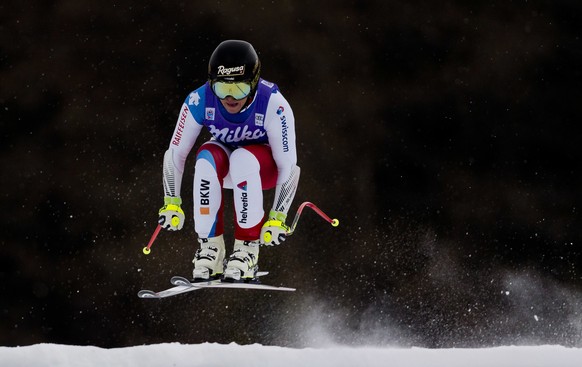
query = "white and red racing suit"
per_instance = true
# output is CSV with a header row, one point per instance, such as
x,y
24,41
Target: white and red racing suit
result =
x,y
251,151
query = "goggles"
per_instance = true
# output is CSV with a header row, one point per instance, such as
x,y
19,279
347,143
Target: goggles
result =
x,y
237,90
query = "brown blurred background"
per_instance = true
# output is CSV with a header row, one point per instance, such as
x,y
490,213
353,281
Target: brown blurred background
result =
x,y
442,134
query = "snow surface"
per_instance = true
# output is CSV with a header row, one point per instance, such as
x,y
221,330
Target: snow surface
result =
x,y
210,355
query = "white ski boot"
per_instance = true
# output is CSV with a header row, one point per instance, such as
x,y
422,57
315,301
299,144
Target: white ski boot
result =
x,y
209,259
242,264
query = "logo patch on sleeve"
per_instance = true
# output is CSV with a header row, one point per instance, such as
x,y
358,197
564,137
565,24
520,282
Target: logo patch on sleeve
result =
x,y
209,114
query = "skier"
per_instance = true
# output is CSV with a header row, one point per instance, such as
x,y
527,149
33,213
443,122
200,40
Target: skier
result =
x,y
252,149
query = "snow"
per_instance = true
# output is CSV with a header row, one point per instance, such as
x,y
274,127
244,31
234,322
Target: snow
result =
x,y
212,354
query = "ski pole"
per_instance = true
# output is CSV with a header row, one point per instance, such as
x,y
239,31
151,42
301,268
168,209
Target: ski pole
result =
x,y
334,222
267,236
146,250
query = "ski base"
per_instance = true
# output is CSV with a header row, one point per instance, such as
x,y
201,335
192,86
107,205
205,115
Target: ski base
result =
x,y
183,285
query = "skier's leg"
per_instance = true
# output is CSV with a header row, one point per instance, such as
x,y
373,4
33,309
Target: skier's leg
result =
x,y
211,168
252,169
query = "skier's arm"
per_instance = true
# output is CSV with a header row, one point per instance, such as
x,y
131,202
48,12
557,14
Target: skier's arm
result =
x,y
280,128
171,215
183,139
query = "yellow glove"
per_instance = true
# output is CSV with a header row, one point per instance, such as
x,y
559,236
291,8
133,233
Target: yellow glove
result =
x,y
274,231
171,215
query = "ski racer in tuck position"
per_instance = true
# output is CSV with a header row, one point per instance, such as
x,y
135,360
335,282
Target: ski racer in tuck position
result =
x,y
252,149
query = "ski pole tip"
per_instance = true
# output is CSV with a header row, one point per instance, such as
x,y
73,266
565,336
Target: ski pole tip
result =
x,y
146,251
335,222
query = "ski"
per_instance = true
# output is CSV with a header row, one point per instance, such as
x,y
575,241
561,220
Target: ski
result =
x,y
264,287
180,281
145,293
183,285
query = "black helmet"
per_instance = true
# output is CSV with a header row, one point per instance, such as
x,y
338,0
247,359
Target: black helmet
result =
x,y
234,61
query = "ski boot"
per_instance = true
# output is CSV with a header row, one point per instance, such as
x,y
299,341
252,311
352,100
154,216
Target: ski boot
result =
x,y
209,259
242,264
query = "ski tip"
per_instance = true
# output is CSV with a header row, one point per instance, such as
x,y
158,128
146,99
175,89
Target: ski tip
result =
x,y
144,293
178,280
287,289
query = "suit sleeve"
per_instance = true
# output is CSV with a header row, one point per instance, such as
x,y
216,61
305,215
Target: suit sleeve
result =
x,y
280,126
185,134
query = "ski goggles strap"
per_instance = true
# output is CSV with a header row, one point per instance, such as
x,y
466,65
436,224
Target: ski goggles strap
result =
x,y
238,90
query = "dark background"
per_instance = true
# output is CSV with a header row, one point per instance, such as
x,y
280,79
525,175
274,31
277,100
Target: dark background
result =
x,y
443,135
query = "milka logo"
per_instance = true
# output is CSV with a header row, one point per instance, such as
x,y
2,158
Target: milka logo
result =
x,y
234,136
237,70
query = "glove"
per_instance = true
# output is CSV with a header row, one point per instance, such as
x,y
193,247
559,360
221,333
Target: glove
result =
x,y
274,231
171,216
